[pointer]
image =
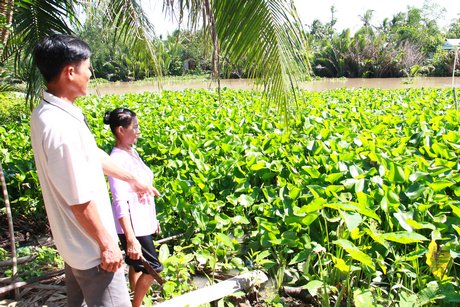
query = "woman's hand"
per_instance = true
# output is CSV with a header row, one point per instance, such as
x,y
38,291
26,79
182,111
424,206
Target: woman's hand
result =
x,y
134,249
158,228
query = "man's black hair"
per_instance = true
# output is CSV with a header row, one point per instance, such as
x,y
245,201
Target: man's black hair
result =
x,y
56,51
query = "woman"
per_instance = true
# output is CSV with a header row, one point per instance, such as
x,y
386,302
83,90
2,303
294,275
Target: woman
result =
x,y
135,217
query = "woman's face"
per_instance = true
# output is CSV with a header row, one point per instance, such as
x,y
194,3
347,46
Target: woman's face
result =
x,y
130,134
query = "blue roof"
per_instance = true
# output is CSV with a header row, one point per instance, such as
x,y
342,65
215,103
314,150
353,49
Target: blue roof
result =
x,y
451,44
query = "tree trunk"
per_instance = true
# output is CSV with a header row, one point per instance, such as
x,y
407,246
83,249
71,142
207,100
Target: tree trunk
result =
x,y
215,42
6,14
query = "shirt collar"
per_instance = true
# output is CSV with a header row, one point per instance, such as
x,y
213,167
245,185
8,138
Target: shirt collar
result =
x,y
68,107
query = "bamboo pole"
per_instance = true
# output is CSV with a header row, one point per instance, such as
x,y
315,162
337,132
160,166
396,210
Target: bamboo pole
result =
x,y
453,79
9,217
164,240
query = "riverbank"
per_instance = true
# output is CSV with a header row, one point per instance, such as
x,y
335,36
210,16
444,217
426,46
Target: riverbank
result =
x,y
155,85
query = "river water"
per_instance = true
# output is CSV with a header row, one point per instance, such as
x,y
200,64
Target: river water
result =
x,y
316,85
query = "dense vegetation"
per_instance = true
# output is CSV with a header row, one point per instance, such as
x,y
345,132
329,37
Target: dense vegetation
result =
x,y
359,202
406,44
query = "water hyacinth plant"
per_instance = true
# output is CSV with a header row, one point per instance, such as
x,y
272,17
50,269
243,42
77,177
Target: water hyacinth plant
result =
x,y
359,203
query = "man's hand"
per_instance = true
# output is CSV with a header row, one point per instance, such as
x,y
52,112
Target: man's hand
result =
x,y
142,188
144,191
88,217
112,259
134,250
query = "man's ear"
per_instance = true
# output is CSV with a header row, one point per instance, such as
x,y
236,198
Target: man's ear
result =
x,y
68,71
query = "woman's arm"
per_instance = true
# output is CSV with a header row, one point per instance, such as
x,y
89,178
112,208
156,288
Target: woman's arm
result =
x,y
133,247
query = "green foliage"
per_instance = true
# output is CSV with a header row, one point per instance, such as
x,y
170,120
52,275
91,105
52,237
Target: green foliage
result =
x,y
351,199
47,259
3,254
12,107
18,162
111,59
405,45
177,267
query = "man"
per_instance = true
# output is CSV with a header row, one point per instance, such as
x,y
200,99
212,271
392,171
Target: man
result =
x,y
71,172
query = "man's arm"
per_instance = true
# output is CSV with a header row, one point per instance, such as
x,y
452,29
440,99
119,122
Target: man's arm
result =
x,y
110,168
88,217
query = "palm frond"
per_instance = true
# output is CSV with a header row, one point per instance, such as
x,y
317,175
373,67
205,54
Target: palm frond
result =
x,y
131,26
268,34
33,20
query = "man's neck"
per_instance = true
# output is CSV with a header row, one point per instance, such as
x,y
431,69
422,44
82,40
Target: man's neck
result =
x,y
59,93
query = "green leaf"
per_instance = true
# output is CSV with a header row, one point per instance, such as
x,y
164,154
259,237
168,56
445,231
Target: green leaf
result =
x,y
352,219
363,298
224,239
258,166
355,253
415,191
302,256
239,219
408,299
245,200
376,236
313,287
163,253
360,208
316,205
402,217
429,294
404,237
455,210
440,185
331,178
396,173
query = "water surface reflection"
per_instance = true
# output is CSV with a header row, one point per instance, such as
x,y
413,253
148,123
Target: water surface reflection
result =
x,y
316,85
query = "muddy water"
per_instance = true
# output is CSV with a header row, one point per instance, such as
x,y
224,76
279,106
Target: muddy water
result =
x,y
317,85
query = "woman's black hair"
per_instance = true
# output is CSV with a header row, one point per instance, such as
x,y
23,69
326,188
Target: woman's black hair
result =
x,y
119,117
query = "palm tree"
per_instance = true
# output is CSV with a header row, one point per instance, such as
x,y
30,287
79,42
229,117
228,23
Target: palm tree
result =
x,y
266,33
6,15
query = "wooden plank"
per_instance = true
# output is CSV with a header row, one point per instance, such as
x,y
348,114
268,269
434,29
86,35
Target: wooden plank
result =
x,y
217,291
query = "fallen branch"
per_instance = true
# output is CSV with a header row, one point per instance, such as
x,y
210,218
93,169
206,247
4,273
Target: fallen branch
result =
x,y
20,260
48,287
216,291
20,284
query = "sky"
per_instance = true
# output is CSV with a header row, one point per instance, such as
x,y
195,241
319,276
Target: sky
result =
x,y
347,12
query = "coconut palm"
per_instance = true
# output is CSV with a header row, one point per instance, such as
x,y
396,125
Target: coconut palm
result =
x,y
266,33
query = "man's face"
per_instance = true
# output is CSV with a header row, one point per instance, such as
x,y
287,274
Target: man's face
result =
x,y
82,74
